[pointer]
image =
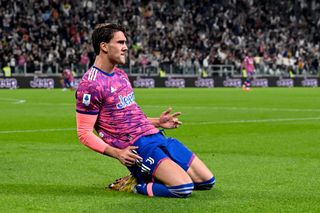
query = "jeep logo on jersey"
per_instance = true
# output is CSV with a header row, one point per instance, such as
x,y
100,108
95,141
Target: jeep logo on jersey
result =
x,y
86,99
125,101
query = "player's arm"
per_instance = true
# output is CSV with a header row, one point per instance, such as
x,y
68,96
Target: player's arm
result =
x,y
85,125
167,120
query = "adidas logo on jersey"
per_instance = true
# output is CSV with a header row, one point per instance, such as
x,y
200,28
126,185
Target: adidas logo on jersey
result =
x,y
112,90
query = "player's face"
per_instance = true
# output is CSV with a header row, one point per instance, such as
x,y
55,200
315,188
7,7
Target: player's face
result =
x,y
117,48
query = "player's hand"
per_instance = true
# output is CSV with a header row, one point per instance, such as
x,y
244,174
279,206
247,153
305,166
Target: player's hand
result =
x,y
128,156
169,121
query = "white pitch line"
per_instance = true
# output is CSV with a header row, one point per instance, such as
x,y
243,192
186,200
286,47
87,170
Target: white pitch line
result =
x,y
237,108
52,104
20,102
12,100
36,130
192,107
185,123
251,121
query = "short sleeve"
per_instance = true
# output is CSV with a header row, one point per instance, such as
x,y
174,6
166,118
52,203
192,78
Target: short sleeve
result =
x,y
89,98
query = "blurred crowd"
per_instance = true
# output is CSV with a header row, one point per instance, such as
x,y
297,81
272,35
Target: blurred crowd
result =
x,y
281,35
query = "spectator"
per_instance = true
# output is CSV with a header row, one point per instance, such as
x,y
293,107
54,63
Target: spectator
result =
x,y
224,27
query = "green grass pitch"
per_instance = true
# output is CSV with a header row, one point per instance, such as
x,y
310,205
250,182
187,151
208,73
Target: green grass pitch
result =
x,y
263,147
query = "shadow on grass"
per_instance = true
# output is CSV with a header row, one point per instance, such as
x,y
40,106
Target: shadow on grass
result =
x,y
76,190
208,194
58,189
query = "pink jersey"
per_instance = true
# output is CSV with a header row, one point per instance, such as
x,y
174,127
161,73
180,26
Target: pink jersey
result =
x,y
249,64
120,120
68,75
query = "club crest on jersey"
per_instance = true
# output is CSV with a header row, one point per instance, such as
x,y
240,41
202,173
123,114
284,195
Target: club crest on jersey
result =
x,y
125,101
86,99
126,80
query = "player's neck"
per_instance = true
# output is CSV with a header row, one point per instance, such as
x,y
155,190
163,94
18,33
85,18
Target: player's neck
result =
x,y
103,65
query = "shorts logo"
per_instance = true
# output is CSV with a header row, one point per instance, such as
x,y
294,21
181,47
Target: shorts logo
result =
x,y
86,99
145,169
150,160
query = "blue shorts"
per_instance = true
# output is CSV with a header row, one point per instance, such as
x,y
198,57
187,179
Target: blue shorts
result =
x,y
155,148
68,84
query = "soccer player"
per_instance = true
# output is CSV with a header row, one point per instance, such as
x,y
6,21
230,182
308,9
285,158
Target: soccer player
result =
x,y
105,102
68,79
248,64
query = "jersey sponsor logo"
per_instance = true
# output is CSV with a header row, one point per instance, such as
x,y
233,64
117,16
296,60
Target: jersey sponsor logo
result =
x,y
86,99
125,101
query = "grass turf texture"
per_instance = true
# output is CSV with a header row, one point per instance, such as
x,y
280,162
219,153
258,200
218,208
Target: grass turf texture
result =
x,y
263,147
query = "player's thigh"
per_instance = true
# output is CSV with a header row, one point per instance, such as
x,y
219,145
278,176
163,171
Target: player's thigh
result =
x,y
198,171
187,160
179,153
171,174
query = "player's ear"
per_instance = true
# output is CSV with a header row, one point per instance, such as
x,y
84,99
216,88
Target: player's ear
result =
x,y
104,47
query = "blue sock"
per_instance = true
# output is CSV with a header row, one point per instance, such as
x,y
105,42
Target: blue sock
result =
x,y
206,185
157,189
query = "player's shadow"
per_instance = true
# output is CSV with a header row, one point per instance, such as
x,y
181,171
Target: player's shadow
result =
x,y
72,190
207,194
52,189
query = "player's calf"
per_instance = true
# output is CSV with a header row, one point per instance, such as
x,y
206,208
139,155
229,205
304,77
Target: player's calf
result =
x,y
206,185
160,190
182,191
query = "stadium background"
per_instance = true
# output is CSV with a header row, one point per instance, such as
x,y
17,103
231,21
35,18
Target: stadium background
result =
x,y
187,40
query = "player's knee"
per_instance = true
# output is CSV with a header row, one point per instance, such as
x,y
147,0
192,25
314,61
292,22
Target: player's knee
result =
x,y
182,191
206,185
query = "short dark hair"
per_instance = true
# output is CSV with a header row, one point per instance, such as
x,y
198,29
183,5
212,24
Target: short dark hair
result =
x,y
104,33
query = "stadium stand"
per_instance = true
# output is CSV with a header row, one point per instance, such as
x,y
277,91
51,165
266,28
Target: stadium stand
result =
x,y
180,37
